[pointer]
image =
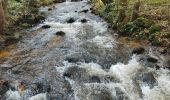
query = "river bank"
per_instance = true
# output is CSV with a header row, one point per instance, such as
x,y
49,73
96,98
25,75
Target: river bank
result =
x,y
20,15
73,55
144,20
149,29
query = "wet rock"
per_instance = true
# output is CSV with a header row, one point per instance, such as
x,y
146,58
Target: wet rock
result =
x,y
95,79
4,87
120,94
84,20
67,87
102,94
58,1
76,73
157,67
84,11
70,20
167,63
152,60
163,51
60,33
91,8
80,57
73,59
108,79
11,40
138,50
45,26
147,78
39,18
49,9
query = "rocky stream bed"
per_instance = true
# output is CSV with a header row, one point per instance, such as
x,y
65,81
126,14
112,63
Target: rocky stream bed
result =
x,y
73,55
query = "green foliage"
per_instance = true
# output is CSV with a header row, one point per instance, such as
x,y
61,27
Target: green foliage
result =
x,y
143,22
129,27
154,28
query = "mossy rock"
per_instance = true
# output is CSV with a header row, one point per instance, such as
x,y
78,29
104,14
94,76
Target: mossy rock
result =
x,y
143,22
154,29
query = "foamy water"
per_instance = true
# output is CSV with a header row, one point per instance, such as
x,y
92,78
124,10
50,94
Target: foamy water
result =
x,y
85,64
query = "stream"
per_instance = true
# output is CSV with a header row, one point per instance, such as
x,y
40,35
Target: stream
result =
x,y
73,55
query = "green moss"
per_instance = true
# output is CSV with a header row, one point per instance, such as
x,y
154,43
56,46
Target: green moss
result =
x,y
129,27
154,28
109,8
143,22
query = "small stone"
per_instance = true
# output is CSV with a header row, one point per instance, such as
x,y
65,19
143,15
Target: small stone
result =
x,y
157,67
45,26
49,9
60,33
71,20
138,50
83,20
85,11
152,60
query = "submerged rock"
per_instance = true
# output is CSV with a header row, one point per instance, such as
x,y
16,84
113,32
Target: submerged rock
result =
x,y
120,94
58,1
152,60
147,78
76,73
167,63
45,26
49,9
84,20
84,11
60,33
138,50
70,20
95,79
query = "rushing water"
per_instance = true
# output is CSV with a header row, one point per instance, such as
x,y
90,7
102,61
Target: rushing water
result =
x,y
86,63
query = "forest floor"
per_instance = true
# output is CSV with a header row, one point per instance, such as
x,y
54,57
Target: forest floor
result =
x,y
20,16
152,24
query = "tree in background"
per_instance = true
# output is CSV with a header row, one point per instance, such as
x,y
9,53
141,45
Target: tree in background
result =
x,y
2,17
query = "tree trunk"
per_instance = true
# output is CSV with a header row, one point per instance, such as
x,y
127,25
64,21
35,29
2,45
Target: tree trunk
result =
x,y
4,5
121,15
169,17
135,11
2,18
